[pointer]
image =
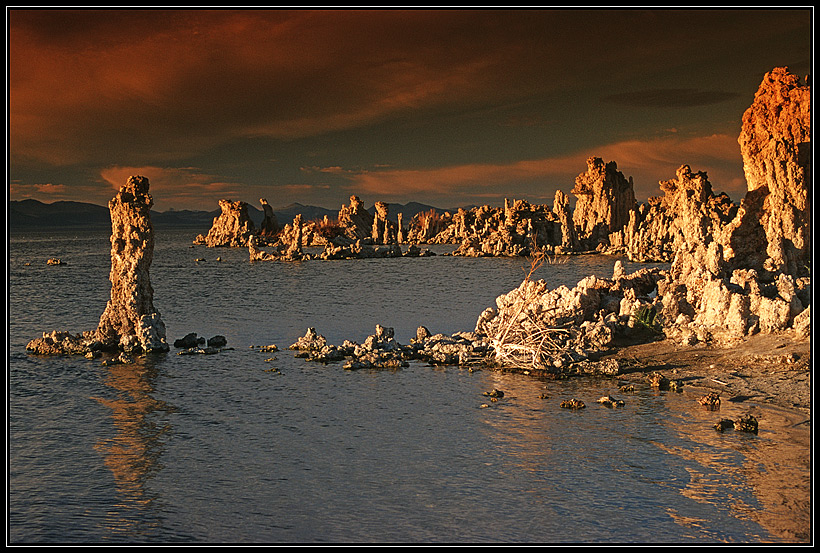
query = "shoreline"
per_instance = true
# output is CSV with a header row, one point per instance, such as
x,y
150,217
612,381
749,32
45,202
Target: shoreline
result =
x,y
771,369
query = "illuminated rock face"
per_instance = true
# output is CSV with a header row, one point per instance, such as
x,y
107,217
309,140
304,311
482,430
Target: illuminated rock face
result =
x,y
231,229
775,141
605,200
130,321
356,220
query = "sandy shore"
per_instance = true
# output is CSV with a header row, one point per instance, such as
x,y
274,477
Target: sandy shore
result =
x,y
774,369
771,372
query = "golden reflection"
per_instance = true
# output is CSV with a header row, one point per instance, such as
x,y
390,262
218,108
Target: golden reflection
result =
x,y
526,434
773,465
132,454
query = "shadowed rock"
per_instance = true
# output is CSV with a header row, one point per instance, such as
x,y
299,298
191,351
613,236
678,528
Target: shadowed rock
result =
x,y
270,225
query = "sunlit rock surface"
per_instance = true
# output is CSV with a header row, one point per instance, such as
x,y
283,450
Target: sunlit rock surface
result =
x,y
232,228
130,323
605,199
130,319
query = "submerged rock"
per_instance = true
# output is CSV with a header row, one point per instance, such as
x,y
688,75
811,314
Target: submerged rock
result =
x,y
573,404
747,423
711,401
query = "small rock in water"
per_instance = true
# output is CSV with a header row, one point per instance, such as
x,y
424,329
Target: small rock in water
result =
x,y
217,341
746,424
494,393
657,380
572,404
711,401
610,401
723,424
190,340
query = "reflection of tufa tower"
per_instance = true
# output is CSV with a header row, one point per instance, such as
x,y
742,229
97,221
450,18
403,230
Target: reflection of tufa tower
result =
x,y
130,321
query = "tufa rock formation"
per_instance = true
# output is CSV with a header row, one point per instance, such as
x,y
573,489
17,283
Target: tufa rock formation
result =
x,y
232,228
734,271
517,229
605,199
775,141
688,216
356,220
384,231
130,322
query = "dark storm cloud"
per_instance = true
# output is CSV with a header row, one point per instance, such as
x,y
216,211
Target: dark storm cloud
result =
x,y
459,101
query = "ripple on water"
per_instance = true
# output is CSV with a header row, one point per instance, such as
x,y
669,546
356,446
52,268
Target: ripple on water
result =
x,y
223,449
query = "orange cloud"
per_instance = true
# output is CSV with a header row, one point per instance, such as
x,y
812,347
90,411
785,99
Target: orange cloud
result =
x,y
647,161
53,191
175,186
142,87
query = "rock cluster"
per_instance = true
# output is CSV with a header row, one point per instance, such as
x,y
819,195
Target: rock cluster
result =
x,y
735,271
356,221
130,323
687,217
559,330
381,350
516,230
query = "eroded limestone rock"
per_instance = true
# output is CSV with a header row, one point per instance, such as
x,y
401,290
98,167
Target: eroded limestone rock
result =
x,y
605,199
232,228
356,220
775,141
130,320
130,323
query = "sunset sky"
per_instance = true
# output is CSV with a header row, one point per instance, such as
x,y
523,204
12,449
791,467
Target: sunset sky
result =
x,y
447,108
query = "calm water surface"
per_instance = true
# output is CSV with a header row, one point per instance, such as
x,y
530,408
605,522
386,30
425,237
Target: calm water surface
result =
x,y
246,446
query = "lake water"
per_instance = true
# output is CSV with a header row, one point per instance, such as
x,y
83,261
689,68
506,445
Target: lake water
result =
x,y
253,447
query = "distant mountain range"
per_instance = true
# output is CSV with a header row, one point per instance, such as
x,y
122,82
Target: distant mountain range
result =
x,y
24,214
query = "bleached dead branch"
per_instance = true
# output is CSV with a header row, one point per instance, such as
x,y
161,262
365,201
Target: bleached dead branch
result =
x,y
521,336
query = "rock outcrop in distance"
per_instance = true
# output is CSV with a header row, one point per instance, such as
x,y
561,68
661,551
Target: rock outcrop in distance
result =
x,y
130,322
232,228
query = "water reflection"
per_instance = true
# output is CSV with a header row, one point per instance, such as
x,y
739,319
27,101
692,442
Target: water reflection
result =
x,y
133,453
772,468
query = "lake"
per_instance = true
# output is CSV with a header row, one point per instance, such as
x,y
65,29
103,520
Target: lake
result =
x,y
248,447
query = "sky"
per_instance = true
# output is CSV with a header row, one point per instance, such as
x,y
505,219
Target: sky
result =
x,y
444,107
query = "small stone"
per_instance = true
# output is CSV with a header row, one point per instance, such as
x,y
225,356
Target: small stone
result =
x,y
747,423
711,401
573,404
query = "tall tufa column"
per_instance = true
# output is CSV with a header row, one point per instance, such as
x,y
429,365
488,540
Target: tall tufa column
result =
x,y
130,322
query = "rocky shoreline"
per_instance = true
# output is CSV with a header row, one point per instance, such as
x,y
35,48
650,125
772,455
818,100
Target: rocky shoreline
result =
x,y
739,275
